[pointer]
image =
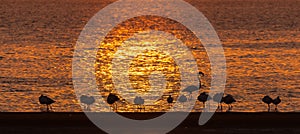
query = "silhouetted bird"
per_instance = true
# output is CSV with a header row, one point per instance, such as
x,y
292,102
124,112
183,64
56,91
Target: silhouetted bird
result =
x,y
182,98
228,99
268,100
170,99
88,100
276,101
44,100
139,101
218,97
190,90
201,74
111,99
203,97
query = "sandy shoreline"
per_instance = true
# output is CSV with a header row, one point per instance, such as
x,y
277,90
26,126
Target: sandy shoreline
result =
x,y
66,123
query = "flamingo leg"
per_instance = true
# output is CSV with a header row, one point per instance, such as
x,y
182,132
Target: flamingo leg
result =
x,y
221,107
47,107
140,108
88,108
113,107
208,106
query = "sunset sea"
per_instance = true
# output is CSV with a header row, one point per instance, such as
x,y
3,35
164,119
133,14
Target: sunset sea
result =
x,y
261,41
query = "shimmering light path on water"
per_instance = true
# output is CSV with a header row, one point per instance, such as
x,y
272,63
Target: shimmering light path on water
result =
x,y
261,41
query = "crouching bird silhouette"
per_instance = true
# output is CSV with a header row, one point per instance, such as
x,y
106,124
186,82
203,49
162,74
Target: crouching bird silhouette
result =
x,y
45,100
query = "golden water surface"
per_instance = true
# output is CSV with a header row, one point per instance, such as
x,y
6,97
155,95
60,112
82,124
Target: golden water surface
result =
x,y
261,41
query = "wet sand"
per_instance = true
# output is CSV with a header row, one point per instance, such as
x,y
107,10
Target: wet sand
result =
x,y
78,123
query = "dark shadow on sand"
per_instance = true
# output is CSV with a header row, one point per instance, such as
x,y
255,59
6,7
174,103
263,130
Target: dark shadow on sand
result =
x,y
78,123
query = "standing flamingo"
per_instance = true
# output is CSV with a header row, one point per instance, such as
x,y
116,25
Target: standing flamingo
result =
x,y
190,90
218,97
228,99
276,101
111,99
47,101
88,100
268,100
182,99
201,74
203,97
139,101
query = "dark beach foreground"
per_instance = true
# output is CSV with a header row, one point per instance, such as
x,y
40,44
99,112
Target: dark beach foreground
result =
x,y
78,123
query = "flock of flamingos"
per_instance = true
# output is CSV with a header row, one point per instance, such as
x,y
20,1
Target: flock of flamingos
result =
x,y
139,101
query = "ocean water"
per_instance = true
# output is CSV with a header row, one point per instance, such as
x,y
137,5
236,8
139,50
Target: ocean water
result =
x,y
261,40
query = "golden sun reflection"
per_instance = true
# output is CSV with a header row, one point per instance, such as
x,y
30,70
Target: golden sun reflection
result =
x,y
150,63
